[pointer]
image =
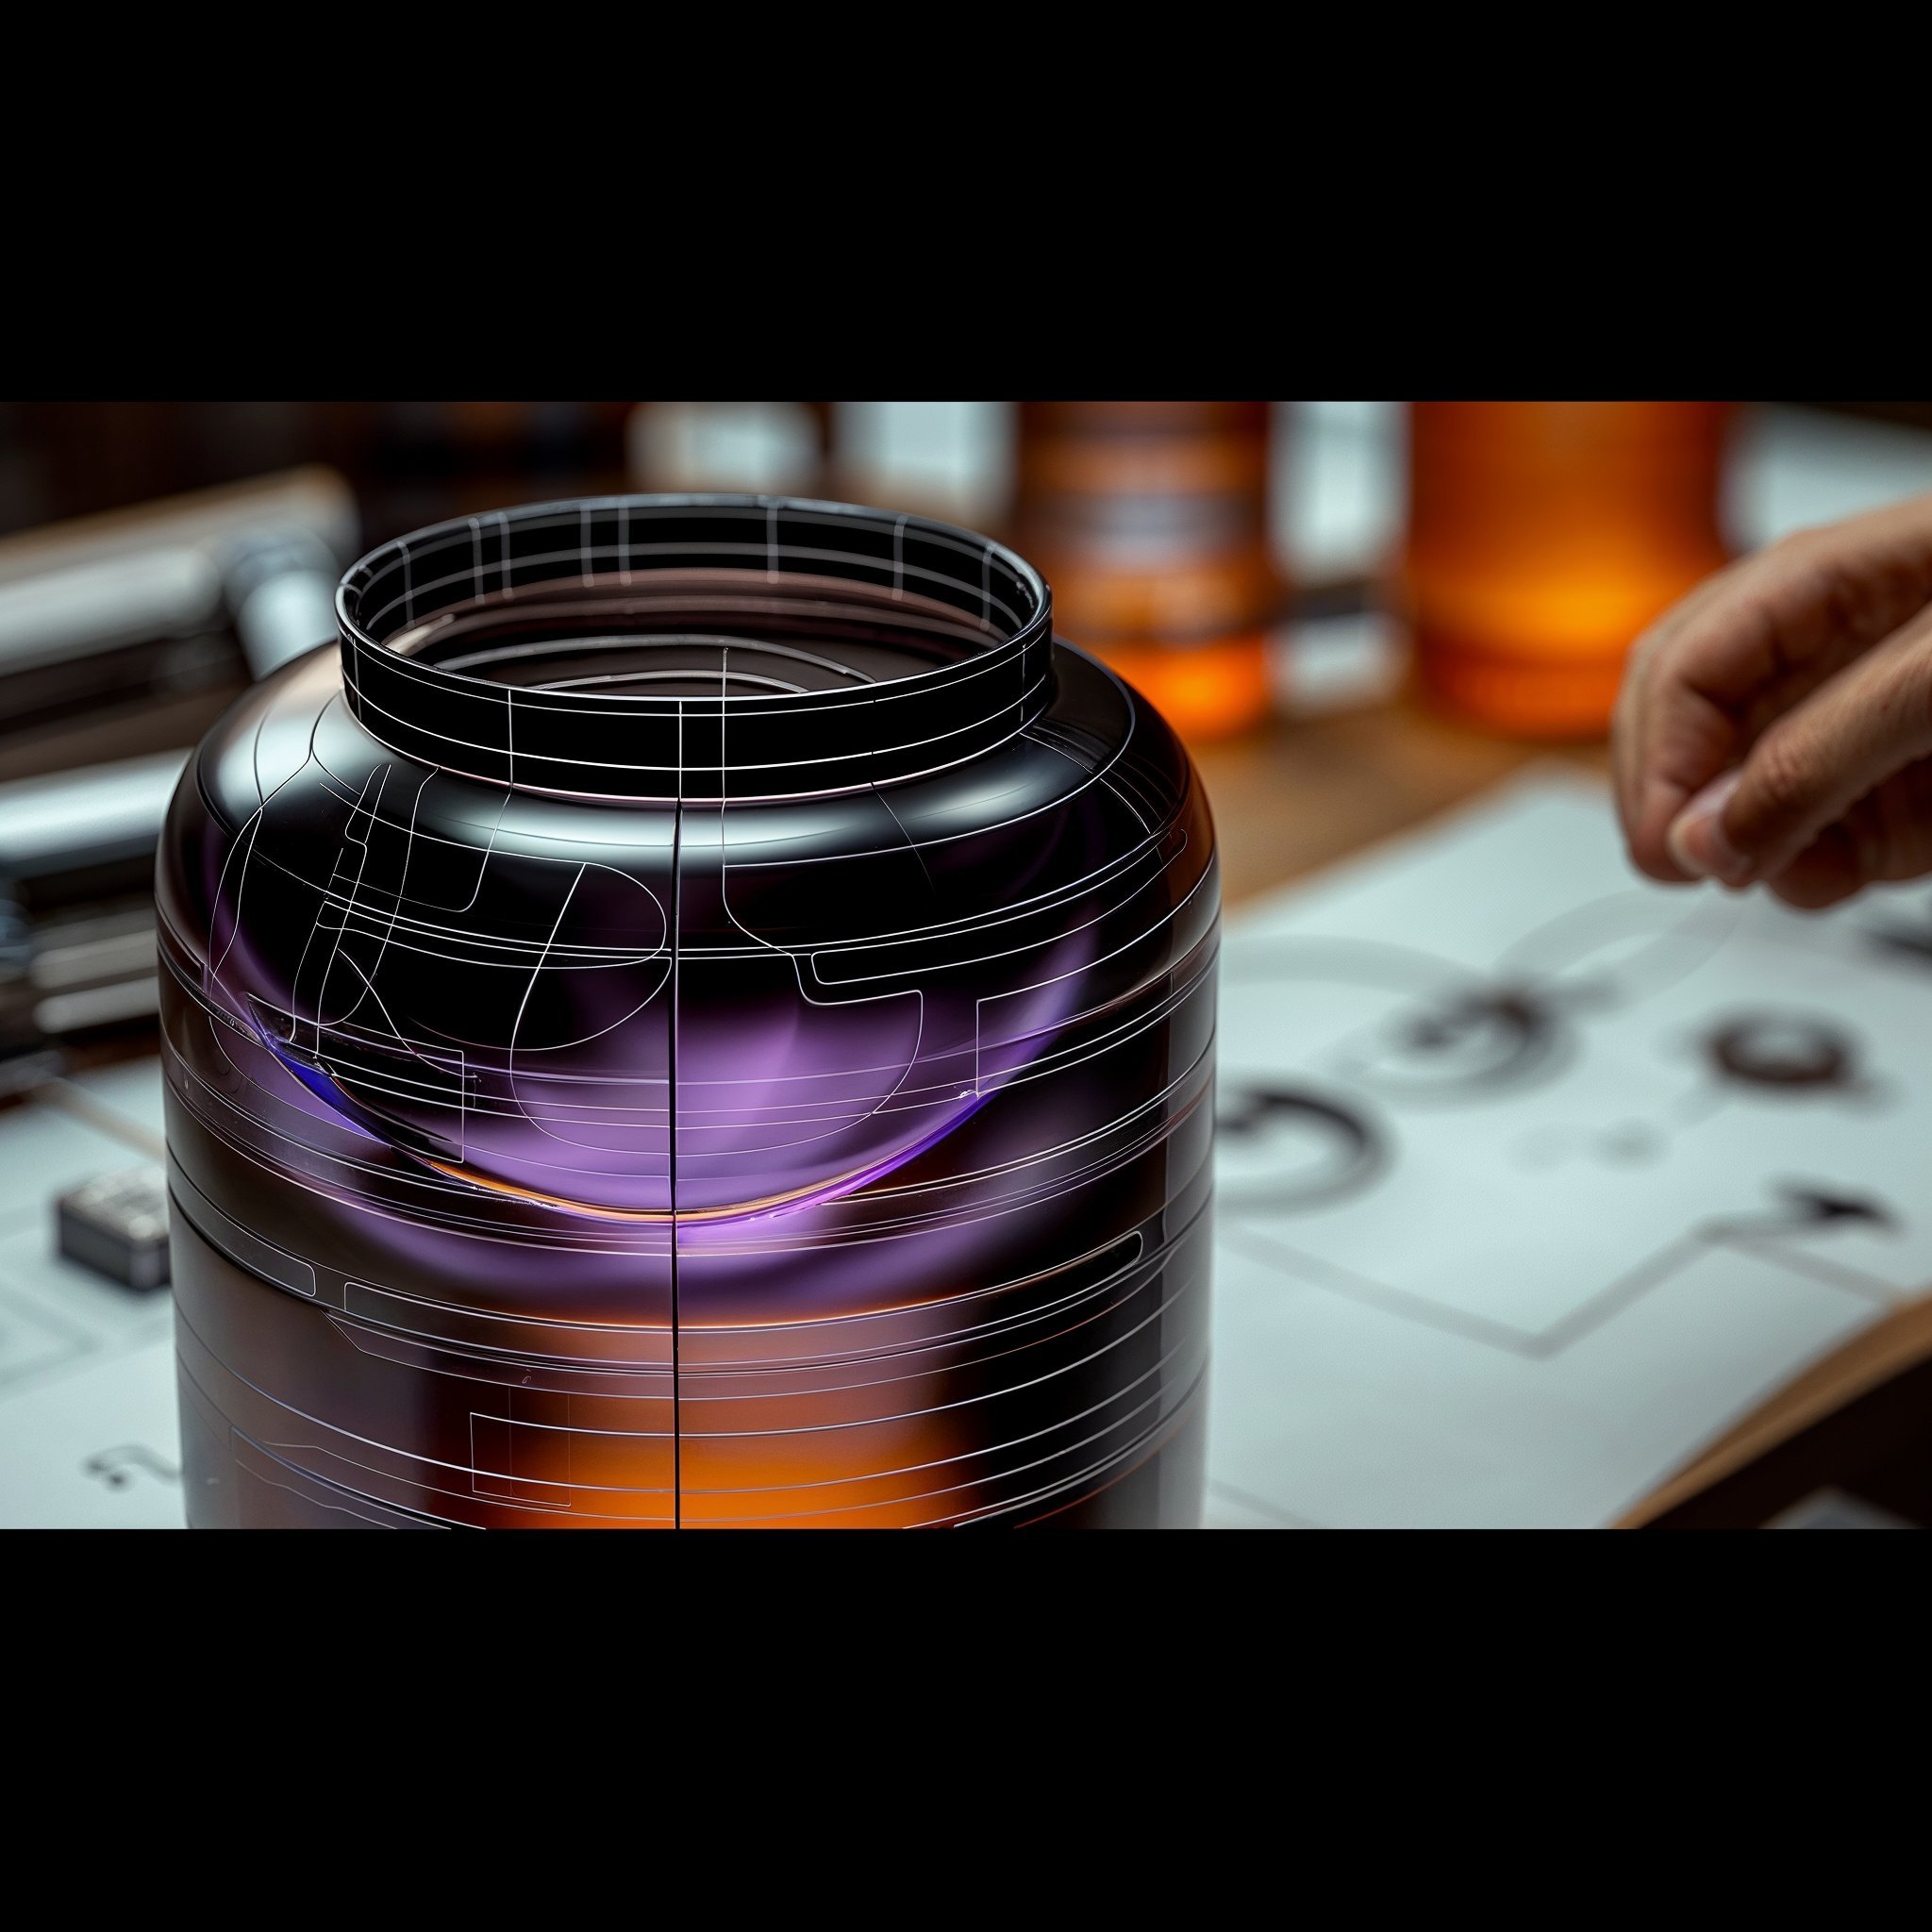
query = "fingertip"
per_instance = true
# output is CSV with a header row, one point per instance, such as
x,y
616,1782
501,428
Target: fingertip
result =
x,y
1825,873
1659,868
1809,896
1698,842
1646,833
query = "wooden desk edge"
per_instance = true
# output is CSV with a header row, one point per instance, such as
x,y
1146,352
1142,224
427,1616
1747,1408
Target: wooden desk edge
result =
x,y
1894,1342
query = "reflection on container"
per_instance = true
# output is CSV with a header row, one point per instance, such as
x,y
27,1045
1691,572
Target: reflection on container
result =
x,y
1150,522
1544,537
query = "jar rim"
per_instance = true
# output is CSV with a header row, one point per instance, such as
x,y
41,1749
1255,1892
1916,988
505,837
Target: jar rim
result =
x,y
724,742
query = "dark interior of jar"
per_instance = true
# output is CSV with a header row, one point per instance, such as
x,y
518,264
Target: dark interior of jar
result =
x,y
693,633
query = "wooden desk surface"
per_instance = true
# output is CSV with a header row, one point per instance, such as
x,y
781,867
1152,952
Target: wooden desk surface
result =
x,y
1300,794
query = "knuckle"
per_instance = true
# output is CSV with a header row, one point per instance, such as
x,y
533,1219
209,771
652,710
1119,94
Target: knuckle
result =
x,y
1643,647
1782,779
1796,550
1917,681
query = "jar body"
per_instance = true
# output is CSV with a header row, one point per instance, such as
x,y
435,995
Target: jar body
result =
x,y
1542,539
826,1158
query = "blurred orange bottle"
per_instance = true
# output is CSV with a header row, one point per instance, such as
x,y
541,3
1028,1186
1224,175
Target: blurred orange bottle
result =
x,y
1150,523
1542,539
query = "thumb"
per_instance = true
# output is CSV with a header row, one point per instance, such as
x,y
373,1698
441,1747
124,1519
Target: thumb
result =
x,y
1813,764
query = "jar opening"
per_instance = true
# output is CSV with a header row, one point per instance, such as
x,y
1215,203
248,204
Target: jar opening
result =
x,y
693,634
694,646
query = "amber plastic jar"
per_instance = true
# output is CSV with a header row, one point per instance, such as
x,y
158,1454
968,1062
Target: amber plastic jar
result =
x,y
1150,520
1542,539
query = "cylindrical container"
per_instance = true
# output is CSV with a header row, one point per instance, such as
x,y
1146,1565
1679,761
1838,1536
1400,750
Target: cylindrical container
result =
x,y
1542,539
701,1014
1150,520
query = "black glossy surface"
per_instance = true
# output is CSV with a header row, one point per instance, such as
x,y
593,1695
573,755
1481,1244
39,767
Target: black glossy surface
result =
x,y
733,1045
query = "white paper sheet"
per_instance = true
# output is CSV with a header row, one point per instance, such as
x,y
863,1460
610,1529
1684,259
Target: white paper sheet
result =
x,y
1534,1176
88,1433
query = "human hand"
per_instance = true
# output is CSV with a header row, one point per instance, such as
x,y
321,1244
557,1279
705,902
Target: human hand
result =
x,y
1776,724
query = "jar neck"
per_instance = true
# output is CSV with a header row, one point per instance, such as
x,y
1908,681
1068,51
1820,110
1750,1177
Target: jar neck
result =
x,y
694,647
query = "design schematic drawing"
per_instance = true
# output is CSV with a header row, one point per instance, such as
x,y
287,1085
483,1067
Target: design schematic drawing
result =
x,y
701,1013
1535,1178
1295,1142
